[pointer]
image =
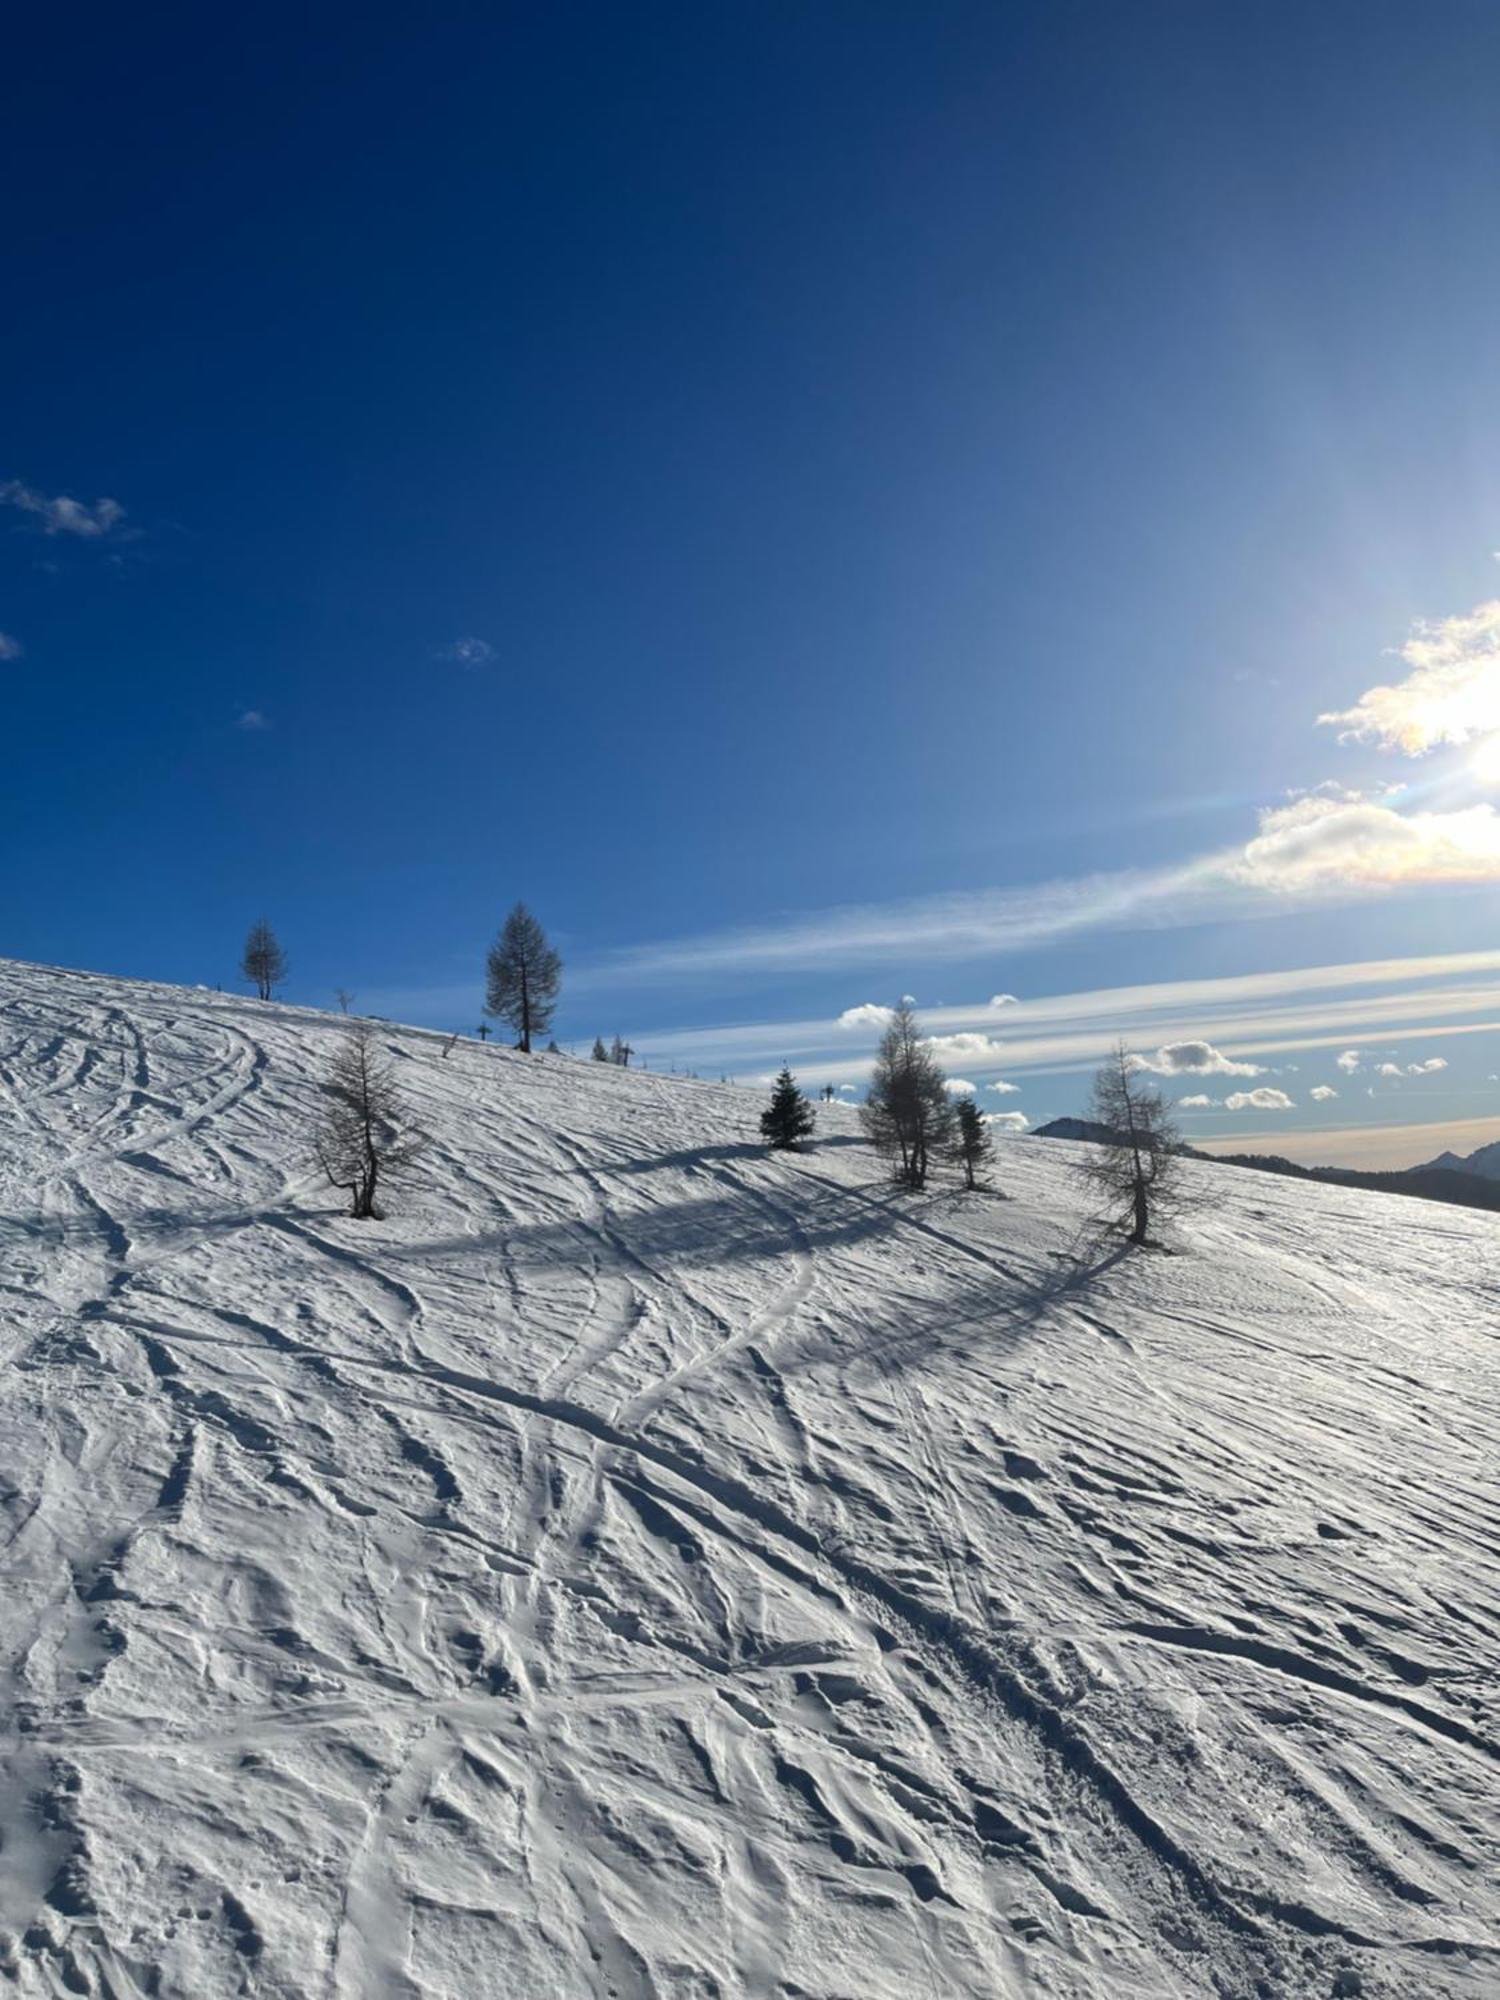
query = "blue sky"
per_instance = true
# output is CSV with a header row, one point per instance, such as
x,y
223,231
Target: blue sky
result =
x,y
823,502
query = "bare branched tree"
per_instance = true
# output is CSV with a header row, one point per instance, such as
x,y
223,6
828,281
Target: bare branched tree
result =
x,y
907,1114
523,977
264,962
1139,1175
361,1141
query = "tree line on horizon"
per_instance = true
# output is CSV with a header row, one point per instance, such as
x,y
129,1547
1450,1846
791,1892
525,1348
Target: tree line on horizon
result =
x,y
909,1115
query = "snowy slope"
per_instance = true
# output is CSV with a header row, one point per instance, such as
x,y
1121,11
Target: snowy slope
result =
x,y
644,1567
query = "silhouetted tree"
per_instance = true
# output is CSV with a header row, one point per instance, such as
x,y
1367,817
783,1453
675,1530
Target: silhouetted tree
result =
x,y
344,997
828,1093
788,1117
601,1053
621,1052
1140,1173
971,1145
264,962
484,1031
907,1113
524,977
359,1141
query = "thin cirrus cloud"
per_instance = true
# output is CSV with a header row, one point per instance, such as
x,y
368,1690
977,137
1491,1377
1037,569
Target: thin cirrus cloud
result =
x,y
58,514
1327,846
252,721
10,648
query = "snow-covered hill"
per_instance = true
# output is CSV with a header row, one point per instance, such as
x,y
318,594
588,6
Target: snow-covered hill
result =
x,y
645,1567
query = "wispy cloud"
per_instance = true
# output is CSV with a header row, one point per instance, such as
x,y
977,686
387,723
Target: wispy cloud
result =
x,y
469,652
58,514
10,649
1451,696
252,721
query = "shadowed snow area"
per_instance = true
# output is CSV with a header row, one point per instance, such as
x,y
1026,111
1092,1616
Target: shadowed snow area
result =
x,y
644,1566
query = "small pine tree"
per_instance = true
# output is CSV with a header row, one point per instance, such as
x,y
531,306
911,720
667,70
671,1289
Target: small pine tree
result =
x,y
359,1142
972,1145
620,1053
523,977
264,962
601,1053
788,1117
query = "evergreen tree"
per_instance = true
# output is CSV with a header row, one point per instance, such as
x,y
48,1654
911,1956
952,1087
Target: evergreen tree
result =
x,y
907,1114
264,962
620,1053
523,977
601,1053
972,1145
788,1117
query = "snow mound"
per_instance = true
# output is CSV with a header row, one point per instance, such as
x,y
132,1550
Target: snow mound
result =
x,y
646,1566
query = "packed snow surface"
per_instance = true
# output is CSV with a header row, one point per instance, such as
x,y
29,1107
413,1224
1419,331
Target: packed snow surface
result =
x,y
646,1566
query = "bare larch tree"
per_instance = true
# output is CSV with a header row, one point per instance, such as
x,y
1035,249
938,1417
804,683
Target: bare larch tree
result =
x,y
360,1140
907,1114
523,977
264,962
1139,1174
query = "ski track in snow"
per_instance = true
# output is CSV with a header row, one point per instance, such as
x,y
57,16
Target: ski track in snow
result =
x,y
645,1568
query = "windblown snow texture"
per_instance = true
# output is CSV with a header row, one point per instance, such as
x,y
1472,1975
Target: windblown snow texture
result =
x,y
647,1566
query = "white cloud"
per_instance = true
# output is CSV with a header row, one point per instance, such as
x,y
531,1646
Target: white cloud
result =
x,y
1321,1092
1390,1069
1262,1098
1007,1121
908,999
468,652
1004,1000
60,515
10,649
252,721
965,1047
1193,1059
1003,1089
1452,694
1197,1103
1317,845
1348,1062
958,1086
1426,1068
866,1016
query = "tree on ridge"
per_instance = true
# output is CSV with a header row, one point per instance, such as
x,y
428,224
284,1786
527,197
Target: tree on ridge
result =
x,y
523,977
264,962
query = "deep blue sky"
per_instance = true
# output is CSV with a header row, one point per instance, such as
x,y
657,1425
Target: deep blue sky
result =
x,y
886,451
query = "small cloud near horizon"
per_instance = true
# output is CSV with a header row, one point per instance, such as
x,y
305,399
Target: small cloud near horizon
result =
x,y
1194,1059
1321,1092
1263,1098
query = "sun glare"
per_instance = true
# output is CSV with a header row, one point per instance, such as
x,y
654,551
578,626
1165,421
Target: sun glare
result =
x,y
1484,759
